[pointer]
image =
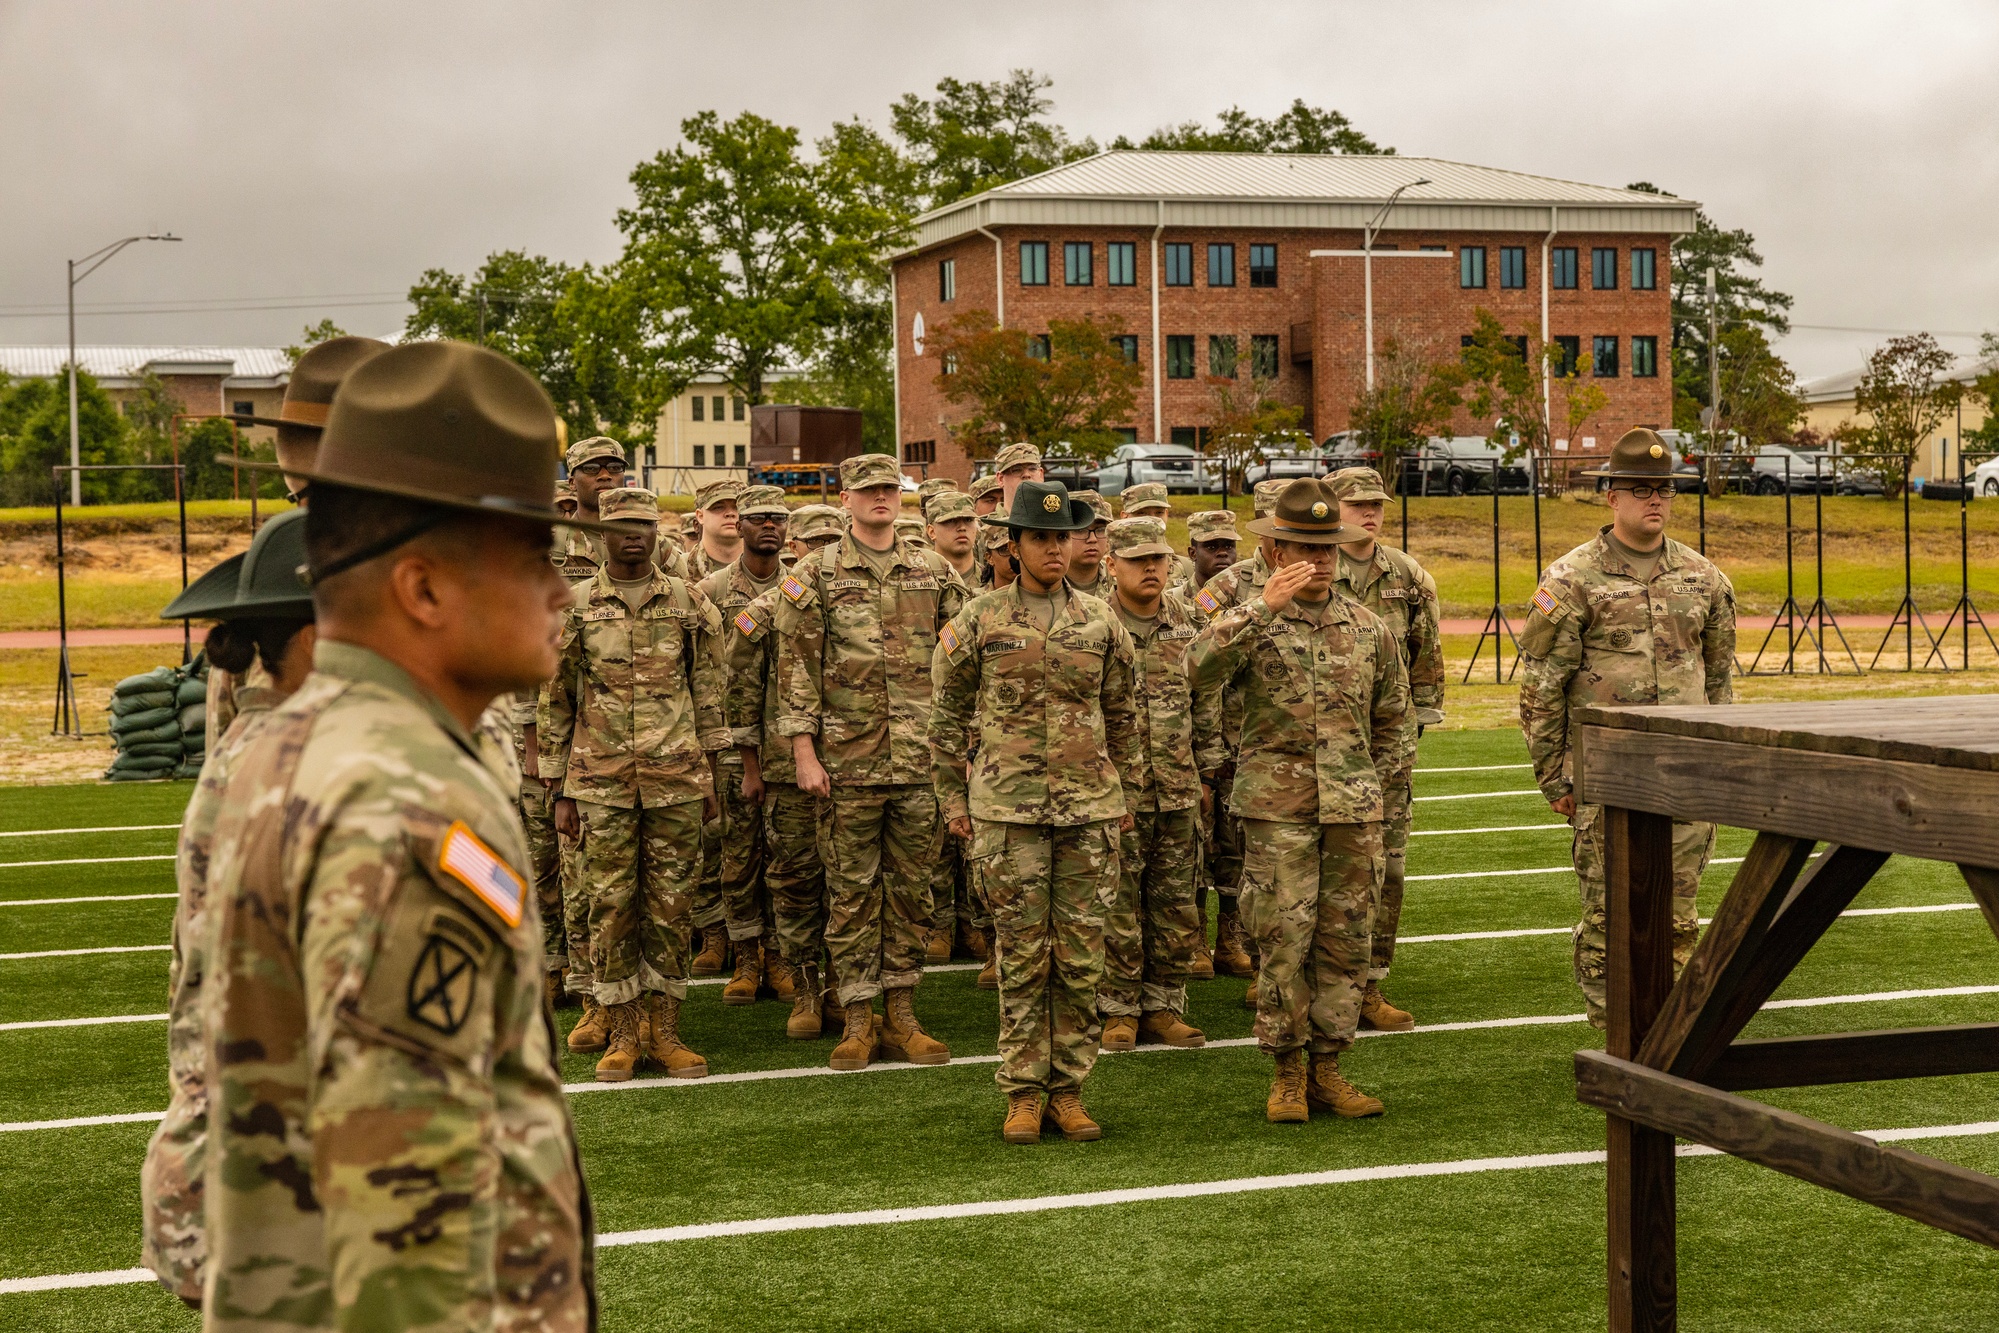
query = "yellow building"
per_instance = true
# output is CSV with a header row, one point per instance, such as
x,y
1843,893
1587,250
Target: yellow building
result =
x,y
703,434
1829,407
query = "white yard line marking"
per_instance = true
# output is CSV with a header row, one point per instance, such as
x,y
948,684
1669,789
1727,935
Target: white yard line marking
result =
x,y
92,898
85,1121
1481,795
82,1022
1566,930
1498,828
74,953
108,828
1475,768
83,861
1542,870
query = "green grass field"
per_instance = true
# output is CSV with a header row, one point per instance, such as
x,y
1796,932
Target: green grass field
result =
x,y
1513,1243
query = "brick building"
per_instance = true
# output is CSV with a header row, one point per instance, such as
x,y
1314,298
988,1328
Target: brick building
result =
x,y
1225,263
205,381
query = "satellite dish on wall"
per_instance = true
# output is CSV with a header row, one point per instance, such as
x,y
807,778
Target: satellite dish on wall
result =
x,y
916,333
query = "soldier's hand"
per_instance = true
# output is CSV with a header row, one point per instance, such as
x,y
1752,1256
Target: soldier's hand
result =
x,y
1566,807
567,822
961,828
1126,824
1207,802
812,777
753,785
1285,583
710,808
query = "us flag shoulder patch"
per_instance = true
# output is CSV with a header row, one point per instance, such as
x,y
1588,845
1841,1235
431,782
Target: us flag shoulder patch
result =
x,y
792,588
476,866
949,638
746,622
1207,601
1544,602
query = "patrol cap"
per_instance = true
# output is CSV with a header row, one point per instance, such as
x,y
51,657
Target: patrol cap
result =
x,y
1638,455
1265,495
910,528
267,580
1358,484
592,450
815,520
1022,454
628,503
948,505
564,490
933,486
762,500
1307,512
1096,502
709,494
1135,538
1145,496
1212,525
986,485
864,470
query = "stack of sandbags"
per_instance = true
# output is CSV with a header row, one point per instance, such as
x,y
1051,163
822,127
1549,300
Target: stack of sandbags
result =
x,y
191,702
145,726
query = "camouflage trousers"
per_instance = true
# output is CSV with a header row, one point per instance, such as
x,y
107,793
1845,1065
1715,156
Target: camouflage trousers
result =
x,y
1151,928
709,910
1308,899
538,819
878,845
174,1244
1388,905
1223,859
641,867
1048,886
1692,845
745,896
575,915
793,874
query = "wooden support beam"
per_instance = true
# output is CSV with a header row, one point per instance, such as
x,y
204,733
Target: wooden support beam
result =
x,y
1680,1042
1984,885
1638,931
1856,1057
1937,1194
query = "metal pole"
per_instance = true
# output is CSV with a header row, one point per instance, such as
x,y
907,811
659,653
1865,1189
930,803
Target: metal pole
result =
x,y
1818,558
1367,271
65,718
1534,484
1402,485
1713,362
1963,544
1498,647
1908,586
1703,504
75,450
186,625
1790,581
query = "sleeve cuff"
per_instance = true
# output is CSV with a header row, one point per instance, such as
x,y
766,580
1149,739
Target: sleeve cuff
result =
x,y
789,727
747,737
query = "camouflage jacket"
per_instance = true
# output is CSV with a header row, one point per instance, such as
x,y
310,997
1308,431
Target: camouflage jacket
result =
x,y
583,555
1596,635
1179,732
853,658
700,566
1239,583
1326,724
731,589
752,705
224,687
1185,578
1100,587
1052,716
390,1147
1392,585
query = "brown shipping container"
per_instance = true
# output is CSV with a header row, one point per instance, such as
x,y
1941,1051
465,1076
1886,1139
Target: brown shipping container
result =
x,y
783,433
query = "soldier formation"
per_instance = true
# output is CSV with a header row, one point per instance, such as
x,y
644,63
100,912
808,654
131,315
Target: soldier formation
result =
x,y
470,778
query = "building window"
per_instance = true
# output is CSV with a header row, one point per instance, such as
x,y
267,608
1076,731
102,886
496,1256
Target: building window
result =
x,y
1562,266
1187,435
1644,357
1076,267
736,406
1603,356
1034,263
1179,264
1263,266
1223,353
700,407
1512,266
243,407
716,403
920,451
1644,273
1125,434
1179,356
1121,264
1471,266
1568,353
1221,265
700,453
1128,344
947,279
950,363
1518,341
1603,268
1037,346
1263,355
740,450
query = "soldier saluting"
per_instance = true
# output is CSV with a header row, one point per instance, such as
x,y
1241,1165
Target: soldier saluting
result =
x,y
1631,617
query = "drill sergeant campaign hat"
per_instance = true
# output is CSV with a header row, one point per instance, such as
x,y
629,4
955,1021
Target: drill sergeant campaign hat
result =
x,y
1022,454
1265,495
1639,455
630,504
595,449
1307,512
814,520
864,470
1135,538
947,505
268,580
1357,484
1145,497
762,500
1096,502
712,493
309,395
1047,506
1212,525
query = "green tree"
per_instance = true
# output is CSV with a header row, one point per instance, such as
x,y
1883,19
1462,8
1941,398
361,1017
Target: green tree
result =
x,y
1984,388
1072,385
1760,401
34,439
1415,396
1299,129
149,415
1907,394
973,136
314,334
1246,420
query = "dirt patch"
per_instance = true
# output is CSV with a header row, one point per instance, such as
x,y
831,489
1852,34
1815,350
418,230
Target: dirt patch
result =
x,y
126,547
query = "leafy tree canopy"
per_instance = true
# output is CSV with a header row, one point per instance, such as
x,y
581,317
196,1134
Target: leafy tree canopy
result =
x,y
315,334
1300,129
975,135
1072,385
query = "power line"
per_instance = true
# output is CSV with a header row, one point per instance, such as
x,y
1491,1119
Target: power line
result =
x,y
302,303
1868,328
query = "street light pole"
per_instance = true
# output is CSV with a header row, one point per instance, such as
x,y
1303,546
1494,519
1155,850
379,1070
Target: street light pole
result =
x,y
100,258
1367,268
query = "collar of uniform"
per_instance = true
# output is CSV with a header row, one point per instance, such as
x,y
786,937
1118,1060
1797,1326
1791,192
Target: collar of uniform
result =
x,y
1071,608
1668,558
1364,572
852,558
1335,609
584,544
350,661
601,589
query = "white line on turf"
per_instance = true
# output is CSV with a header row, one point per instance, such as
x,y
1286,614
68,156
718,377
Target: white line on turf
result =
x,y
83,861
1565,930
1046,1203
1481,795
85,1121
74,953
1542,870
82,1022
108,828
92,898
1475,768
1499,828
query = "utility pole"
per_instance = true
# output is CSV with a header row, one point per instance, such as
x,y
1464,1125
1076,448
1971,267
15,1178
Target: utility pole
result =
x,y
1367,236
1713,359
100,258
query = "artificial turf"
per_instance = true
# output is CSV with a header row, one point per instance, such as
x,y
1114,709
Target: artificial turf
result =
x,y
1514,1249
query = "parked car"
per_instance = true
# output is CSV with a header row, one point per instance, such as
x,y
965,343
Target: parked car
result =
x,y
1288,465
1070,470
1809,470
1984,479
1177,466
1461,465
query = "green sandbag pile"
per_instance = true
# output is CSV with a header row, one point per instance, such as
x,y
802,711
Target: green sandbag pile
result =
x,y
158,723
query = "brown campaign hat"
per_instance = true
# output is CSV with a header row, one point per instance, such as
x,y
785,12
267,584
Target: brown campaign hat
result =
x,y
444,423
1639,455
1307,512
309,391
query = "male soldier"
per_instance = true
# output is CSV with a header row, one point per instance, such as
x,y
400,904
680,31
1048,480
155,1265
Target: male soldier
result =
x,y
813,526
985,494
956,915
950,524
626,727
1630,617
762,515
1030,677
996,563
856,625
1150,499
1086,553
1151,929
714,538
565,498
390,1148
721,528
930,489
1015,463
1325,731
1212,543
1391,584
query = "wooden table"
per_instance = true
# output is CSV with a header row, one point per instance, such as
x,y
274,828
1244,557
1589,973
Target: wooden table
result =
x,y
1869,778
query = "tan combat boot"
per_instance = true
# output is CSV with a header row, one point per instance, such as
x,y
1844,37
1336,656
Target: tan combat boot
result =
x,y
1231,948
749,977
832,1014
779,975
805,1023
1023,1117
664,1047
592,1030
857,1046
1120,1033
1287,1104
714,954
1249,996
1202,968
1169,1029
1377,1013
1066,1113
902,1037
971,941
937,948
1329,1091
989,974
621,1051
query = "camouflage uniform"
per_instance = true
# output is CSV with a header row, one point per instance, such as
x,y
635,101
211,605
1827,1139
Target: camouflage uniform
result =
x,y
1596,635
1240,583
391,1148
1326,731
853,671
624,726
745,894
1053,721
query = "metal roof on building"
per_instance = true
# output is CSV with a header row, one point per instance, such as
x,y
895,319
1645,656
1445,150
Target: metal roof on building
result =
x,y
1841,387
1130,187
116,365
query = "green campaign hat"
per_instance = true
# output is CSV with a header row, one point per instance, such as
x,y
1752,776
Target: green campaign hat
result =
x,y
270,578
1046,506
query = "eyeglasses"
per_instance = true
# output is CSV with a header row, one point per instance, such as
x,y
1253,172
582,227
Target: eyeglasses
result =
x,y
598,470
1646,492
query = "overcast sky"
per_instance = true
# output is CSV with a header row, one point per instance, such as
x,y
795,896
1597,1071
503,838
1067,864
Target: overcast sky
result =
x,y
316,156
